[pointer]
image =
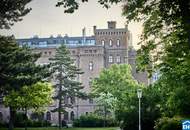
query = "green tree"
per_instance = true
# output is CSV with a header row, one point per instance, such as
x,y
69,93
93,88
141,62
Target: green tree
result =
x,y
118,81
37,97
107,105
17,69
12,11
67,86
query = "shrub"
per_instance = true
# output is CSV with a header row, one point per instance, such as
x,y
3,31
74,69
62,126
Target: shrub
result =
x,y
166,123
20,121
93,120
3,124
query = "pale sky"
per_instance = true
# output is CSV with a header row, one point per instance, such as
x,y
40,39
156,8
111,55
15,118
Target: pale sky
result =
x,y
45,19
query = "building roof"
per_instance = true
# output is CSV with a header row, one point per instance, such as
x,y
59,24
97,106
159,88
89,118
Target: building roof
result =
x,y
49,42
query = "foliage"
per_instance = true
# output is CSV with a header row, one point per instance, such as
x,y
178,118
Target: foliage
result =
x,y
107,104
17,69
118,81
52,128
65,73
37,96
12,11
166,123
17,66
20,121
71,6
93,120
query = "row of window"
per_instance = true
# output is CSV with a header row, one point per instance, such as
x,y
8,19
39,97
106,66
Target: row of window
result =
x,y
111,43
90,51
110,33
111,59
46,53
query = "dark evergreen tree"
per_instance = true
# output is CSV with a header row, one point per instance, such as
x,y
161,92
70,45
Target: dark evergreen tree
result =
x,y
67,86
17,69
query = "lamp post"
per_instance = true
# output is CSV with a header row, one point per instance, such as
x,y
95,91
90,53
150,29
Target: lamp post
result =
x,y
139,94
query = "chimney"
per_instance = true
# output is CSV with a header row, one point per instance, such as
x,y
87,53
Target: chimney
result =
x,y
111,24
84,34
94,29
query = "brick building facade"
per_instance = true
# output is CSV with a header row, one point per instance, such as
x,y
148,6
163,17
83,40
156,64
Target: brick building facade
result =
x,y
91,54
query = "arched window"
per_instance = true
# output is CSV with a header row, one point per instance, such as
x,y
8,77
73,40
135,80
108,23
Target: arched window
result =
x,y
72,115
48,116
91,65
72,100
1,116
103,43
118,42
66,100
66,115
110,43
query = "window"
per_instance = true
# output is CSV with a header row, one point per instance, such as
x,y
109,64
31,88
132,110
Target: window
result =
x,y
48,116
91,65
118,42
118,59
1,116
110,59
66,101
72,100
66,115
103,43
90,51
73,51
49,52
110,43
72,115
91,101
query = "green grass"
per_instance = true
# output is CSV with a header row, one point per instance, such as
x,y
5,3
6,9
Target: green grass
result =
x,y
107,128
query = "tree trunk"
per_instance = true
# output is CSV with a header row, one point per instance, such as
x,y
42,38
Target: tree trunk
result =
x,y
26,118
105,116
59,107
12,118
59,113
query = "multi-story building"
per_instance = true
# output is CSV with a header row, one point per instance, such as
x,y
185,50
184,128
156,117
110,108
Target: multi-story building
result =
x,y
91,54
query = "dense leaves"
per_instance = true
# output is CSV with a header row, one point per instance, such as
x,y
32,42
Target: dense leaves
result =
x,y
17,66
118,82
37,96
12,11
17,69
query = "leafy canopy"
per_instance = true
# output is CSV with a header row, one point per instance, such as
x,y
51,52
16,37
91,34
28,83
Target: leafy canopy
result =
x,y
116,88
17,66
35,97
12,11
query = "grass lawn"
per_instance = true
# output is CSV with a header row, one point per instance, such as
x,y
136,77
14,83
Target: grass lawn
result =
x,y
107,128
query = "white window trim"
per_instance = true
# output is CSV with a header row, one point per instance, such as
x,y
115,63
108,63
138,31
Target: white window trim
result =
x,y
110,59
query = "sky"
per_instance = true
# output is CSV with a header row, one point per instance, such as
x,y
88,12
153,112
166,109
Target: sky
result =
x,y
45,19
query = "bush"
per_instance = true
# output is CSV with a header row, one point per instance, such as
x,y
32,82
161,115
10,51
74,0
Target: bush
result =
x,y
92,120
20,121
3,124
166,123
